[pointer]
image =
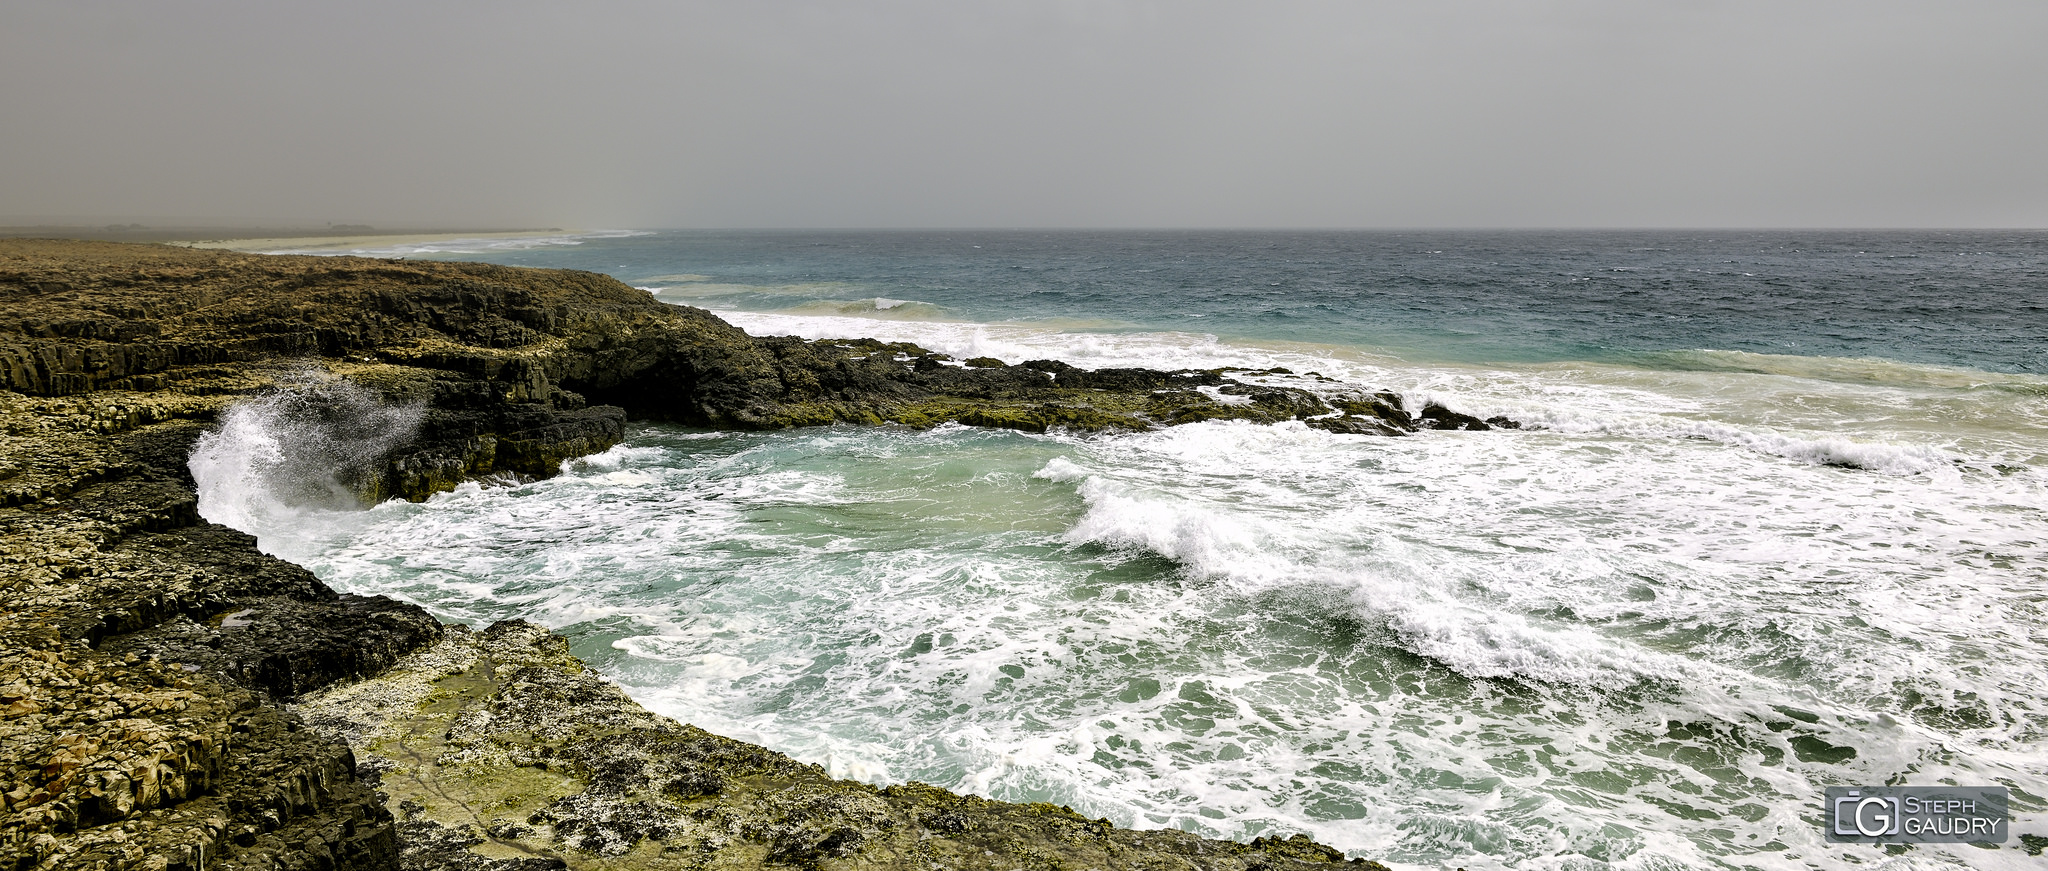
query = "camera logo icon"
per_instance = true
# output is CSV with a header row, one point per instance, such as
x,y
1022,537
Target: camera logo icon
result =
x,y
1869,816
1915,814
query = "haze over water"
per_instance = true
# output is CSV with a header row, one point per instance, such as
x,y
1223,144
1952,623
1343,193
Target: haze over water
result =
x,y
1774,523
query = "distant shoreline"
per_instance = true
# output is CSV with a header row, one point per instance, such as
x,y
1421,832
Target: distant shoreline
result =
x,y
270,238
363,240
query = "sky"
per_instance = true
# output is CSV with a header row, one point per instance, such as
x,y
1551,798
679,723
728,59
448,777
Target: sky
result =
x,y
1053,113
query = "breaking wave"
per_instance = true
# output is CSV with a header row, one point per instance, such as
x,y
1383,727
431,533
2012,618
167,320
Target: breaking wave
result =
x,y
1417,608
880,308
305,449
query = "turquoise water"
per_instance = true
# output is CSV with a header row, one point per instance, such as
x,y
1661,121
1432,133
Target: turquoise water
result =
x,y
1713,576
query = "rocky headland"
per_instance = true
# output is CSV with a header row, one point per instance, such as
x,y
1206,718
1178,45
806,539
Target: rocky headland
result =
x,y
172,698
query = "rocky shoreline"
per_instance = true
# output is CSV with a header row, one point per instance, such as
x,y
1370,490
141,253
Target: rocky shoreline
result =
x,y
172,698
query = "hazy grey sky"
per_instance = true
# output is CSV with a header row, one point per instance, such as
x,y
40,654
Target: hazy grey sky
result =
x,y
992,113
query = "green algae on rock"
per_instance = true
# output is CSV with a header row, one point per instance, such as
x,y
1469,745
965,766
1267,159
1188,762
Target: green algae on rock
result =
x,y
503,742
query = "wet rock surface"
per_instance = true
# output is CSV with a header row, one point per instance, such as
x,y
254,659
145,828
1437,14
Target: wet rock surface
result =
x,y
158,672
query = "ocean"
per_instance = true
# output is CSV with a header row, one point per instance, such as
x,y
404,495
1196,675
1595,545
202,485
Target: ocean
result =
x,y
1774,523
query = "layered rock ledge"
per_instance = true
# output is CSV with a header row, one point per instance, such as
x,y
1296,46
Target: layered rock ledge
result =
x,y
172,698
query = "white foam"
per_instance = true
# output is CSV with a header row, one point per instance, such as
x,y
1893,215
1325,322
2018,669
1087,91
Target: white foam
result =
x,y
1211,544
1061,469
871,308
1435,650
1244,543
1217,394
1826,450
1586,400
1015,343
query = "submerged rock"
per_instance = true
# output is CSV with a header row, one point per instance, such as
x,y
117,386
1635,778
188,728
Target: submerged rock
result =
x,y
1354,425
1435,416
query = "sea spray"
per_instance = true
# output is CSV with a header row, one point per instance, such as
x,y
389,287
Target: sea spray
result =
x,y
309,446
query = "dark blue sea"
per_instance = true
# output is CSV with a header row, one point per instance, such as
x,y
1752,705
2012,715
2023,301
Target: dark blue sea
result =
x,y
1972,299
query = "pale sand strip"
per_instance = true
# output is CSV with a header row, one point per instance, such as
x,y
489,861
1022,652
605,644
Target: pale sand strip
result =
x,y
374,240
